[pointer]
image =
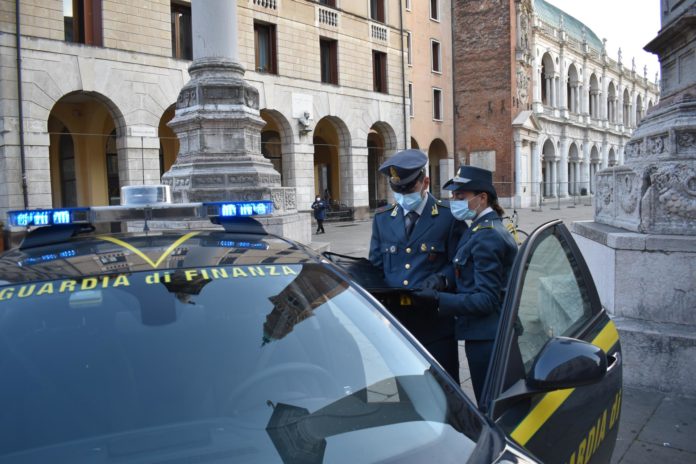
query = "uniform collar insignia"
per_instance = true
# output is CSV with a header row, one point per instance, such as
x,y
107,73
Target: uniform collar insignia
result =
x,y
395,212
434,211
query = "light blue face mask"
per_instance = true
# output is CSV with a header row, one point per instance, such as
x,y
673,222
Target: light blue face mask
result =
x,y
409,201
460,210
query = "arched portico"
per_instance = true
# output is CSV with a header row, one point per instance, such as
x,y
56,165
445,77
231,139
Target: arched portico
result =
x,y
85,132
437,166
381,144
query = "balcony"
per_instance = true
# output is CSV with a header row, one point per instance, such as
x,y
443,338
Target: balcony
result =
x,y
326,17
268,4
379,33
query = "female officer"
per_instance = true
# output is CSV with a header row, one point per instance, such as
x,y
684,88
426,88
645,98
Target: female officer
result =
x,y
482,264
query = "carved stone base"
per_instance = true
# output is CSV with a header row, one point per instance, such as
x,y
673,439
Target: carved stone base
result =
x,y
655,191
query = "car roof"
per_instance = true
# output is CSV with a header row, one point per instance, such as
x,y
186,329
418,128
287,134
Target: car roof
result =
x,y
93,255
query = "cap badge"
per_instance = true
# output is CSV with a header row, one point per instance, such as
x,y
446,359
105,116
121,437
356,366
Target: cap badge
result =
x,y
394,175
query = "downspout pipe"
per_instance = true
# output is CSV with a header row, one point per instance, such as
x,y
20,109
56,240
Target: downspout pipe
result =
x,y
20,104
454,86
403,74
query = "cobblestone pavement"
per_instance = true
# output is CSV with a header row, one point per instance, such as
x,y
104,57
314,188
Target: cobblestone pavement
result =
x,y
654,427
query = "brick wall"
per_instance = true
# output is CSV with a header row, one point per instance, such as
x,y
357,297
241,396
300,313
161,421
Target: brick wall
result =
x,y
484,64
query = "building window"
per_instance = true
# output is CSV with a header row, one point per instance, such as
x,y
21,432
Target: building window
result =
x,y
408,5
435,10
437,104
409,47
436,56
331,3
377,12
113,185
68,177
265,48
410,99
182,37
82,20
328,50
379,71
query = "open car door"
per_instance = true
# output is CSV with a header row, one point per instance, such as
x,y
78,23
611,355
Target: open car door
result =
x,y
554,384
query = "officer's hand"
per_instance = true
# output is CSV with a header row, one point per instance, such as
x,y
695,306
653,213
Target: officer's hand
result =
x,y
436,282
426,297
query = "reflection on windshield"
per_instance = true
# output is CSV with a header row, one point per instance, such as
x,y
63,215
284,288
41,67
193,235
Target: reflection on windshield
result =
x,y
298,301
260,360
300,436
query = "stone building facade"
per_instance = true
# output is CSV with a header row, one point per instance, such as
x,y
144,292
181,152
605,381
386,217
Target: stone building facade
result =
x,y
539,101
99,80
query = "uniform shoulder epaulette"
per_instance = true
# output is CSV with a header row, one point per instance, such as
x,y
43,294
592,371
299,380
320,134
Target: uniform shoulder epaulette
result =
x,y
444,203
482,225
385,208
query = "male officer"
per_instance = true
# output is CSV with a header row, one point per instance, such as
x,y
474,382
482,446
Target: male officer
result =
x,y
414,240
482,264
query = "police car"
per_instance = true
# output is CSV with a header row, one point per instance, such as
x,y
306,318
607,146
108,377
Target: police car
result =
x,y
234,345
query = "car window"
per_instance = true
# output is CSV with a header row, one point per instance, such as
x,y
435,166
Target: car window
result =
x,y
554,300
247,363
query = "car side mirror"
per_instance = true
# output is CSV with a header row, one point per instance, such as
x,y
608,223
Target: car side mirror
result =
x,y
567,363
562,363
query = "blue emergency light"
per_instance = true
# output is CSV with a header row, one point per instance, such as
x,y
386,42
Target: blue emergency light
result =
x,y
48,217
225,210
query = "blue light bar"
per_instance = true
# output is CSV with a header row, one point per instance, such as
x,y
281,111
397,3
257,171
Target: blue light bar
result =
x,y
225,210
48,217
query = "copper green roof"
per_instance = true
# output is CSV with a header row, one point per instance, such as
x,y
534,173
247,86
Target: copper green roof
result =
x,y
552,15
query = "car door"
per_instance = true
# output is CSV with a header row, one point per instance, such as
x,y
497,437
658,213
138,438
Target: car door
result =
x,y
552,294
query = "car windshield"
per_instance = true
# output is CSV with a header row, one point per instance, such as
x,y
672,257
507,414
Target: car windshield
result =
x,y
268,363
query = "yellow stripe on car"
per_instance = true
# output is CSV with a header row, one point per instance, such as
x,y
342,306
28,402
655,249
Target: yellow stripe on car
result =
x,y
146,258
531,424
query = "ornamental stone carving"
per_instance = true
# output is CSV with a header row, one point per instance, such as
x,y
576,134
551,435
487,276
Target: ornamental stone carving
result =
x,y
686,141
675,187
656,145
277,197
628,192
290,200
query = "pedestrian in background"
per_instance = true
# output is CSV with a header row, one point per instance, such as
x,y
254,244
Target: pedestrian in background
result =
x,y
482,264
319,207
414,240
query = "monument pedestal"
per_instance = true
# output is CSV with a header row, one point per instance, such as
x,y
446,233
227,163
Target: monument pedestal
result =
x,y
646,282
219,126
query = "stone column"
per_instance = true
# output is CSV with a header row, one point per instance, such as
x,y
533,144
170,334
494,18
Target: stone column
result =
x,y
219,128
354,186
138,159
549,94
554,179
301,173
563,168
536,172
517,195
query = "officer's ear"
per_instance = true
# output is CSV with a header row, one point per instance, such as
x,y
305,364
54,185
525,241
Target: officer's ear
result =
x,y
426,183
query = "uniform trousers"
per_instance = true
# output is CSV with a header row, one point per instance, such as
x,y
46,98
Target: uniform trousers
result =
x,y
478,354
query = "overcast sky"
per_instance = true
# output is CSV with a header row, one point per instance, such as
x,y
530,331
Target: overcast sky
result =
x,y
629,24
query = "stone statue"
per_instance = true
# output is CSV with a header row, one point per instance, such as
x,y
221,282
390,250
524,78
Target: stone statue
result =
x,y
620,56
305,122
